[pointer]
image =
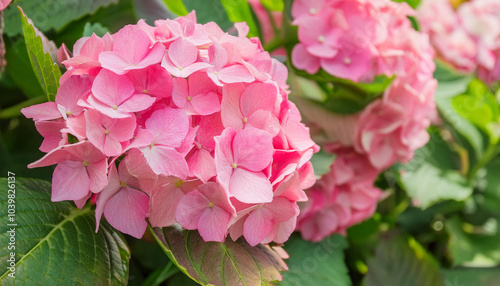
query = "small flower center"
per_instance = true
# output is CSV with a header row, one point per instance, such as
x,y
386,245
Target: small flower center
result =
x,y
115,107
216,73
152,145
145,91
321,39
245,120
85,163
123,184
68,112
210,204
179,183
312,11
347,61
189,98
181,68
106,132
234,165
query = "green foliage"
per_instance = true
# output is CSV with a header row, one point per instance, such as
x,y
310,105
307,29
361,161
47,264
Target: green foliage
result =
x,y
478,105
319,263
209,10
50,14
56,243
228,263
94,28
401,260
273,5
239,11
176,6
322,162
46,71
472,276
472,249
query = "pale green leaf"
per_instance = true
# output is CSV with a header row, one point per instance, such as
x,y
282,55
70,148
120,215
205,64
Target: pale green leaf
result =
x,y
239,11
176,6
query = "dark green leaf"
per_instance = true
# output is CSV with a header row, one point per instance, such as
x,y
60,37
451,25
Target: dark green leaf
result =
x,y
21,72
472,276
50,14
450,83
228,263
94,28
239,11
152,10
400,260
46,71
433,176
273,5
208,11
319,263
471,248
56,243
176,6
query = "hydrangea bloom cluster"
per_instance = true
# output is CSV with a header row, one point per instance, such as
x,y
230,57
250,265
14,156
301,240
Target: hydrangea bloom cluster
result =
x,y
358,40
467,38
178,123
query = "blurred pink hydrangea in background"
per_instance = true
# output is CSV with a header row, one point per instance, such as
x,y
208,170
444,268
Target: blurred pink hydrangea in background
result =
x,y
178,122
467,38
359,40
4,4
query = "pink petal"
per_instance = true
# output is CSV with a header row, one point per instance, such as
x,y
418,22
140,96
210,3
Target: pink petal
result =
x,y
137,103
190,209
235,73
70,181
169,126
258,96
112,89
264,120
42,111
201,165
132,51
166,161
224,156
98,172
180,92
182,53
71,91
252,149
250,187
213,223
206,104
230,106
258,224
126,211
164,204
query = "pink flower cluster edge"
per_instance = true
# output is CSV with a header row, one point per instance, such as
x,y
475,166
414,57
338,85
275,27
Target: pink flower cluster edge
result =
x,y
178,123
467,38
359,40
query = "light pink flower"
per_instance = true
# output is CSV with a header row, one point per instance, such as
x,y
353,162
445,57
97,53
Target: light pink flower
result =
x,y
4,4
240,160
199,97
181,59
122,203
207,209
131,55
81,168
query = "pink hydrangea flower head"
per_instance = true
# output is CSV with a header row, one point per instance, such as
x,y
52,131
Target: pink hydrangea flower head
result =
x,y
178,123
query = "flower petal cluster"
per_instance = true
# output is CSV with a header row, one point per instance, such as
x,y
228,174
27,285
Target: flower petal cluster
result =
x,y
467,37
178,123
358,40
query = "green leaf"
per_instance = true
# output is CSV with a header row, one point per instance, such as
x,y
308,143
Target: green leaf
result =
x,y
433,176
479,106
320,263
228,263
461,125
50,14
46,71
491,190
273,5
322,163
471,249
239,11
450,83
176,6
56,243
94,28
208,11
400,260
471,276
21,72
